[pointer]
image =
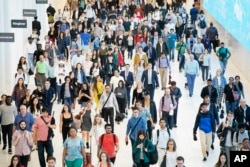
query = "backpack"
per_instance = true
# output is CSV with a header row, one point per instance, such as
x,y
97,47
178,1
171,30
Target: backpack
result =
x,y
158,133
212,32
202,23
23,76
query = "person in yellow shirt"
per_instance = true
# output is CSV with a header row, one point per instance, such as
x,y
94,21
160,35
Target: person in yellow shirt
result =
x,y
138,56
97,89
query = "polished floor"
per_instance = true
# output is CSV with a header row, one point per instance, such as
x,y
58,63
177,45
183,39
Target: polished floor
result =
x,y
188,107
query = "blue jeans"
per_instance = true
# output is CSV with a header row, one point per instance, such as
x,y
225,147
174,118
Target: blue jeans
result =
x,y
191,80
31,61
68,101
48,147
168,119
171,51
230,106
223,66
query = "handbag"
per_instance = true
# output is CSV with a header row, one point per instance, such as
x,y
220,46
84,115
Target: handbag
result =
x,y
102,113
50,131
163,163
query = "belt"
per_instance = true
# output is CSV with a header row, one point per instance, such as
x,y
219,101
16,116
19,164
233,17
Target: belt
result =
x,y
41,73
108,107
162,148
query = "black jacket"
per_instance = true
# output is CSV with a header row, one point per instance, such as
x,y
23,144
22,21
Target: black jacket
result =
x,y
71,89
241,118
213,96
222,132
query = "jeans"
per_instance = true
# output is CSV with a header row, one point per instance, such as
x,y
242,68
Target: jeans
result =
x,y
223,66
142,164
47,145
230,106
171,51
204,71
68,101
7,131
130,52
31,61
24,160
128,89
58,90
168,119
191,80
182,62
175,113
75,163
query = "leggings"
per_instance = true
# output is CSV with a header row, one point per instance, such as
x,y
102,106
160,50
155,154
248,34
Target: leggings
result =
x,y
75,163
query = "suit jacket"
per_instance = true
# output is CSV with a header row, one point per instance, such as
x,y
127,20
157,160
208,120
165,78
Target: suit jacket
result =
x,y
153,54
154,79
130,79
164,49
74,14
213,96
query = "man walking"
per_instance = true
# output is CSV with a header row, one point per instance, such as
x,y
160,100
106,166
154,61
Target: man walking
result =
x,y
107,103
192,70
43,135
150,80
108,142
49,97
205,121
223,54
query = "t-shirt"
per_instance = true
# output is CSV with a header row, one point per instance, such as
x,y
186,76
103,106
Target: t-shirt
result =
x,y
108,144
42,67
74,148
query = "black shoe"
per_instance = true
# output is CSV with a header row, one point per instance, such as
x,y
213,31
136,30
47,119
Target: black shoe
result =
x,y
87,144
175,126
190,95
207,153
4,147
10,151
212,146
204,159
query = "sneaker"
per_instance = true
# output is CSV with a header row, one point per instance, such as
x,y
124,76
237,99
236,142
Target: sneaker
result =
x,y
204,159
4,147
212,147
175,126
10,151
207,153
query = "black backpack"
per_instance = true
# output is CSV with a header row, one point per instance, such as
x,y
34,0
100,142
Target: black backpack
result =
x,y
202,23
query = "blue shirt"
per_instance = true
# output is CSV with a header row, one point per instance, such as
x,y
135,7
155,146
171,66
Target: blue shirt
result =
x,y
85,38
192,67
171,40
131,124
74,148
28,118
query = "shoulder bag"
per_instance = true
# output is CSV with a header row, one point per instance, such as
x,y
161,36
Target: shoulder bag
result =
x,y
135,126
50,131
102,113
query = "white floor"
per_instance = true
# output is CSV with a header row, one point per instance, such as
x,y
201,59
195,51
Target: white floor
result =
x,y
186,147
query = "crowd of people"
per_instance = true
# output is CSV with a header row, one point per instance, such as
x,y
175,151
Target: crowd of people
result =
x,y
82,61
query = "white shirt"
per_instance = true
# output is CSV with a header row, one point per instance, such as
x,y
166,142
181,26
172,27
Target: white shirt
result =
x,y
219,81
23,76
60,78
170,26
30,48
114,81
150,76
77,59
162,140
90,13
171,159
87,65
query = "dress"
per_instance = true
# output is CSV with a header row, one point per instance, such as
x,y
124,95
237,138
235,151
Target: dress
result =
x,y
86,124
139,72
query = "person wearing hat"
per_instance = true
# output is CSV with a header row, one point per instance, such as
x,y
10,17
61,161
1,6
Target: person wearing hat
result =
x,y
223,54
36,25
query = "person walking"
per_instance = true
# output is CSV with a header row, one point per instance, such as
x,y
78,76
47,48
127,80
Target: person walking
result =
x,y
191,70
106,106
74,150
22,141
150,80
164,68
223,54
205,121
